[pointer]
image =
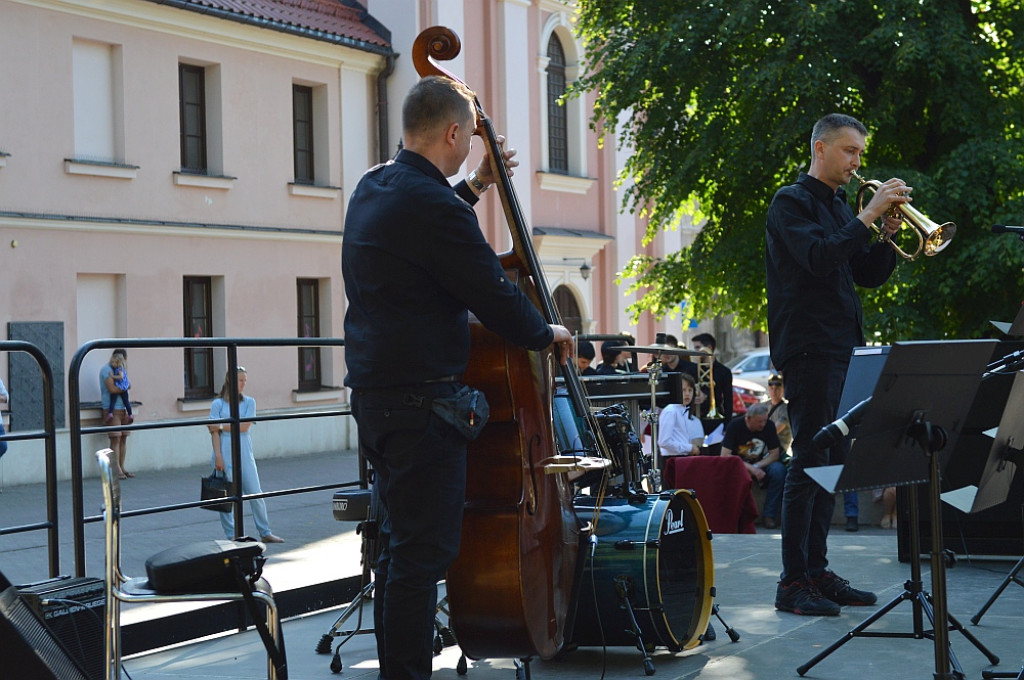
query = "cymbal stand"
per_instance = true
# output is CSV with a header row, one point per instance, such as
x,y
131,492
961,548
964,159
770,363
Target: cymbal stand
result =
x,y
651,417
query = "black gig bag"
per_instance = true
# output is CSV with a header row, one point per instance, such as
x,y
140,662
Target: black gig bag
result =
x,y
219,566
205,566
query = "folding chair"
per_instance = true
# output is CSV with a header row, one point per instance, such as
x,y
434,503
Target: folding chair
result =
x,y
120,588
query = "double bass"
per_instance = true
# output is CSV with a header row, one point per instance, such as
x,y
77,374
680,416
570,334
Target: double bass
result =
x,y
511,588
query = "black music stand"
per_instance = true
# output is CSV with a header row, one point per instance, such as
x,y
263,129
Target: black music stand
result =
x,y
910,422
1015,329
1006,454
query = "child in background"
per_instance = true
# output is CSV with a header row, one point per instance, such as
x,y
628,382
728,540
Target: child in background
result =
x,y
120,376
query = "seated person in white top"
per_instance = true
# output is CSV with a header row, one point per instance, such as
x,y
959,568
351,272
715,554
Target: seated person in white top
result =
x,y
680,432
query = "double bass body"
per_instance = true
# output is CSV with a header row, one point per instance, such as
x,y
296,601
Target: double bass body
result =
x,y
511,585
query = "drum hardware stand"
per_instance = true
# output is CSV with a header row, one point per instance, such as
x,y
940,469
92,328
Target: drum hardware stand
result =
x,y
734,636
629,489
884,454
624,589
368,529
651,417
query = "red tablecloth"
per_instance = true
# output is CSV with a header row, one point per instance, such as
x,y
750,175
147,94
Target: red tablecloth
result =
x,y
722,486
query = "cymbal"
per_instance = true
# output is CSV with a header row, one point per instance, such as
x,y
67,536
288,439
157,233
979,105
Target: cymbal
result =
x,y
662,349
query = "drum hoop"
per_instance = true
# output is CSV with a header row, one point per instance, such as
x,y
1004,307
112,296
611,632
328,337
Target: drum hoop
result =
x,y
705,569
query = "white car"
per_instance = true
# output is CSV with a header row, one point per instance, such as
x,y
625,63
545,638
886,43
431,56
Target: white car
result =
x,y
755,366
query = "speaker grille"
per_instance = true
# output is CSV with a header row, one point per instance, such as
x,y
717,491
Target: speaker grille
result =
x,y
30,646
73,609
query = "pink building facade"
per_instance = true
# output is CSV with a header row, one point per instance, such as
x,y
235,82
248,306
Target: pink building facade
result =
x,y
176,168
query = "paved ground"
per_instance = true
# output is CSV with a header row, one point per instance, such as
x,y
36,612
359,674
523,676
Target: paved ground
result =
x,y
771,644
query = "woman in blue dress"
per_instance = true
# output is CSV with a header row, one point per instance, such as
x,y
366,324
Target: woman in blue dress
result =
x,y
221,436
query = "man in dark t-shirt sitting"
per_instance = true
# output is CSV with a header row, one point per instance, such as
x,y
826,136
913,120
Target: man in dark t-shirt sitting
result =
x,y
754,439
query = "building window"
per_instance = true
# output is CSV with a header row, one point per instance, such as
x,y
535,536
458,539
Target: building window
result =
x,y
99,124
558,130
302,134
309,327
198,307
192,98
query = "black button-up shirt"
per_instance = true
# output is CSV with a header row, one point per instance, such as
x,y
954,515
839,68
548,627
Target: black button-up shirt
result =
x,y
815,251
415,263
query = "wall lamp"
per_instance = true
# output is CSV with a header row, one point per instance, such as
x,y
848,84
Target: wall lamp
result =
x,y
585,268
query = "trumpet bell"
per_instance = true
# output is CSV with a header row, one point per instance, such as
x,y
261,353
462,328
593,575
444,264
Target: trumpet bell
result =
x,y
934,237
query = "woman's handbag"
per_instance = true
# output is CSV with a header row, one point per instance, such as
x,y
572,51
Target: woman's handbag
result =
x,y
216,486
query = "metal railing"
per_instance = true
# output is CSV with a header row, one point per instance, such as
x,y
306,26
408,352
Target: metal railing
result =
x,y
49,436
230,345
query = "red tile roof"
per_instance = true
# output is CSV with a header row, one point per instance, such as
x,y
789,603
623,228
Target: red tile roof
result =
x,y
345,19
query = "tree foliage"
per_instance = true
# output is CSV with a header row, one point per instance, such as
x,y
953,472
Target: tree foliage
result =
x,y
717,98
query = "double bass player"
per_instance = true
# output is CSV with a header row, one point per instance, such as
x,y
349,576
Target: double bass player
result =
x,y
415,261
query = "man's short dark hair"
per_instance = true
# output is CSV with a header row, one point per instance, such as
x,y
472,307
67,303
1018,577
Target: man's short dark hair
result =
x,y
609,351
705,339
585,349
828,127
435,101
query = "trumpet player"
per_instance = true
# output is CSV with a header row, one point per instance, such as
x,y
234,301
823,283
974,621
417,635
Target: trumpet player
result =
x,y
816,251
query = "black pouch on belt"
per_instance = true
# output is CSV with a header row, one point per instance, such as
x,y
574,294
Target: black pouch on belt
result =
x,y
466,410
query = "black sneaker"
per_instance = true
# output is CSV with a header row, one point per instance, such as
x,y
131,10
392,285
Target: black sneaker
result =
x,y
803,597
851,524
840,591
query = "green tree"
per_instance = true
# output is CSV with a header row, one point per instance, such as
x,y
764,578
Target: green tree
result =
x,y
719,98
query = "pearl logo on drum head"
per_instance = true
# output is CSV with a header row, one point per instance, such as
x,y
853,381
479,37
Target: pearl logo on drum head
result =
x,y
673,525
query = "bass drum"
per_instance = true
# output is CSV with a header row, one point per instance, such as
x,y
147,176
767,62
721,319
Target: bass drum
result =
x,y
658,556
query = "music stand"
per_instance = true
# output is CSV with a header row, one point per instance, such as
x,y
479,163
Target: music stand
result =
x,y
1015,329
1004,457
1005,454
907,426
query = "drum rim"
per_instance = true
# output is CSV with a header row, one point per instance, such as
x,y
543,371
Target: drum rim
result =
x,y
705,569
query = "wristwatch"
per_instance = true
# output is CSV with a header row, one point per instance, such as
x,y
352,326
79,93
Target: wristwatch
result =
x,y
475,182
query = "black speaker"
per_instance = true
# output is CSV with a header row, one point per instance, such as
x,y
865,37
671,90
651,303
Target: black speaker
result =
x,y
73,610
29,646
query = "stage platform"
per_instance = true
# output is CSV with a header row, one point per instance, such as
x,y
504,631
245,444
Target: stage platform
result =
x,y
772,644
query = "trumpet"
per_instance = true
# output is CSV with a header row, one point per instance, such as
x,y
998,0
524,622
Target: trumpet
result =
x,y
932,238
706,378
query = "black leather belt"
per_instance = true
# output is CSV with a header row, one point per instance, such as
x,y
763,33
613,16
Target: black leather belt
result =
x,y
445,379
411,386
